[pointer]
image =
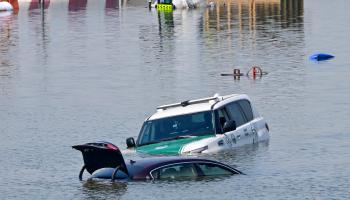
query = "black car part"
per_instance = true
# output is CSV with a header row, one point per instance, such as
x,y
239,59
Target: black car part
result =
x,y
101,155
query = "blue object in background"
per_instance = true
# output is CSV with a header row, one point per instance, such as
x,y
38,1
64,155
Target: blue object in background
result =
x,y
321,56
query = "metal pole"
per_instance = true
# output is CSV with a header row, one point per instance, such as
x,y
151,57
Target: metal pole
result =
x,y
149,4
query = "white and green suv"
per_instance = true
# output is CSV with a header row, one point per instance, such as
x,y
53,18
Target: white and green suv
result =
x,y
205,125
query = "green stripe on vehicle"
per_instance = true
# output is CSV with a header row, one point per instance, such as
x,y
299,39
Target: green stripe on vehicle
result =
x,y
168,147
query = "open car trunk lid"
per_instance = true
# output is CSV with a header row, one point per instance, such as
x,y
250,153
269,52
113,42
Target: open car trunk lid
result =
x,y
101,155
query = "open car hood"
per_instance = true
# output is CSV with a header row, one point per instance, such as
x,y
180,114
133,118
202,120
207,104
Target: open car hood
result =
x,y
101,155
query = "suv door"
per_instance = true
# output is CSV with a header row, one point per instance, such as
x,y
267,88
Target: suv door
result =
x,y
221,117
243,133
248,112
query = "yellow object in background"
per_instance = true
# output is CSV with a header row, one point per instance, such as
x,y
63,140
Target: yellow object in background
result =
x,y
167,7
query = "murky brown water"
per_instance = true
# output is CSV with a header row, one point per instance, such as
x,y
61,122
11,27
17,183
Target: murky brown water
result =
x,y
87,71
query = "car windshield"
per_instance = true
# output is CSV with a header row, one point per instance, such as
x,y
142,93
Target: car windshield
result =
x,y
176,127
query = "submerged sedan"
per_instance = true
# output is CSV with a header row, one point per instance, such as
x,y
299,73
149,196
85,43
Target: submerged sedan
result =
x,y
104,160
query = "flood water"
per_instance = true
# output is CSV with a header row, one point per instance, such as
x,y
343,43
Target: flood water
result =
x,y
93,70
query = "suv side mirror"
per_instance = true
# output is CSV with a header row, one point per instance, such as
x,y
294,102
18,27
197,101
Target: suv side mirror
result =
x,y
229,126
130,142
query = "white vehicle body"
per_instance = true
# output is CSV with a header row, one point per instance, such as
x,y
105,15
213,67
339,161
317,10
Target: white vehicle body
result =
x,y
250,132
250,127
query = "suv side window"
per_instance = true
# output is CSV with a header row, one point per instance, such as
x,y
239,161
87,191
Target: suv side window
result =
x,y
221,117
184,170
236,114
247,109
148,132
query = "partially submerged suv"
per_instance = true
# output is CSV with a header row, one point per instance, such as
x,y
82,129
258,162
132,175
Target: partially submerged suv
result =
x,y
205,125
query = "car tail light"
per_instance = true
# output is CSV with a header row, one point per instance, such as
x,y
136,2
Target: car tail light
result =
x,y
111,146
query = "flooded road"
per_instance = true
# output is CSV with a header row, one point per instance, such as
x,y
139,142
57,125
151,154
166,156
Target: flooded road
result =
x,y
86,71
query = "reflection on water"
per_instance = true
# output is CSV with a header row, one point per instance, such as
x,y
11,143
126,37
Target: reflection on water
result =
x,y
36,4
75,5
166,21
166,32
292,12
247,14
40,28
96,189
252,17
5,28
112,4
8,39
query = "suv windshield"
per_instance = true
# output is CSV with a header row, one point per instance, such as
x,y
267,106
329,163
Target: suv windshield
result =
x,y
176,127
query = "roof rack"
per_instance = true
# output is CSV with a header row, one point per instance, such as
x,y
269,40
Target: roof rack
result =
x,y
189,102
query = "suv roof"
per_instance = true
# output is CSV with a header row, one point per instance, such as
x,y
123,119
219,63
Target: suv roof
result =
x,y
191,106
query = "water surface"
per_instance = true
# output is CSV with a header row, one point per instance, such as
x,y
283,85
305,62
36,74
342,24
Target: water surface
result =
x,y
86,71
